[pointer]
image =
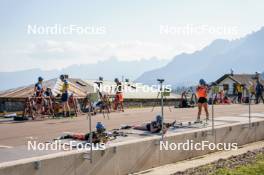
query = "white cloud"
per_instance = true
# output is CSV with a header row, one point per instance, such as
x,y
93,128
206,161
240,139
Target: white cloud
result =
x,y
56,54
64,53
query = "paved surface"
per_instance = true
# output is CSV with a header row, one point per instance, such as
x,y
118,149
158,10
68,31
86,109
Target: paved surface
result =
x,y
22,152
13,134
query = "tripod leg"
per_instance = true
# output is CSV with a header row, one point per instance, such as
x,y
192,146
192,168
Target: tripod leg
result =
x,y
165,98
155,103
75,107
25,108
170,109
103,113
107,108
31,110
108,116
153,107
51,108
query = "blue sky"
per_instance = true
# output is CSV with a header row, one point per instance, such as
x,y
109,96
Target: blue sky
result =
x,y
132,29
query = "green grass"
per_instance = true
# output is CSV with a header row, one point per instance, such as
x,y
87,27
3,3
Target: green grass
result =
x,y
256,168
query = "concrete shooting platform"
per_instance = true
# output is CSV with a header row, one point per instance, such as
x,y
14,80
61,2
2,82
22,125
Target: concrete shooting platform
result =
x,y
139,151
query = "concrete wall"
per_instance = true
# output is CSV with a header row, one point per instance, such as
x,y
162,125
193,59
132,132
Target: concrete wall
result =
x,y
134,156
11,105
17,104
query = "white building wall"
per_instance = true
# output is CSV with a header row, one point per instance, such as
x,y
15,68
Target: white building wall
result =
x,y
230,83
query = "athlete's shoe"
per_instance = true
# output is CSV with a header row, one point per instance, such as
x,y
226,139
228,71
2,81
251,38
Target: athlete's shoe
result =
x,y
198,121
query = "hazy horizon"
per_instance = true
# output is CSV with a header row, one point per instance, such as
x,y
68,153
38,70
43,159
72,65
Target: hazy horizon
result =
x,y
125,30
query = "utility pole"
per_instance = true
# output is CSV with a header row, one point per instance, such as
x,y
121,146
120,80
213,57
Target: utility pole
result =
x,y
162,106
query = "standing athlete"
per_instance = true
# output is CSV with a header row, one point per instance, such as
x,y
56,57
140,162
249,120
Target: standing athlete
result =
x,y
65,96
38,92
259,92
201,90
119,95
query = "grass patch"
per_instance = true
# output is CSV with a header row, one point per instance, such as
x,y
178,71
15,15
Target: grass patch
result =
x,y
256,168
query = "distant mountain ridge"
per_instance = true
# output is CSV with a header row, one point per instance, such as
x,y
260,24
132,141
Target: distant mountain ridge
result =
x,y
109,69
243,55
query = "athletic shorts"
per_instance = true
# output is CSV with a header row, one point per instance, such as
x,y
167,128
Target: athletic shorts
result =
x,y
64,97
202,100
119,97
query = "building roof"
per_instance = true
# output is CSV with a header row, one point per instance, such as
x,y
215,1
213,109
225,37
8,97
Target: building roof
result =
x,y
77,86
243,79
80,88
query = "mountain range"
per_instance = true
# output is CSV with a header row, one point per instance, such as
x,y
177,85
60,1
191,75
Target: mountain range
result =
x,y
108,69
244,55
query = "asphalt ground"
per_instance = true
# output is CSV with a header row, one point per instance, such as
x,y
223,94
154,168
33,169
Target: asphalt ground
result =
x,y
14,134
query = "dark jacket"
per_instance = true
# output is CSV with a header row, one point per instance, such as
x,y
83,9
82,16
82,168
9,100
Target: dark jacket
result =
x,y
259,88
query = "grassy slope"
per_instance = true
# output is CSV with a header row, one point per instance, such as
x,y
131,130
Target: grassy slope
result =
x,y
251,169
